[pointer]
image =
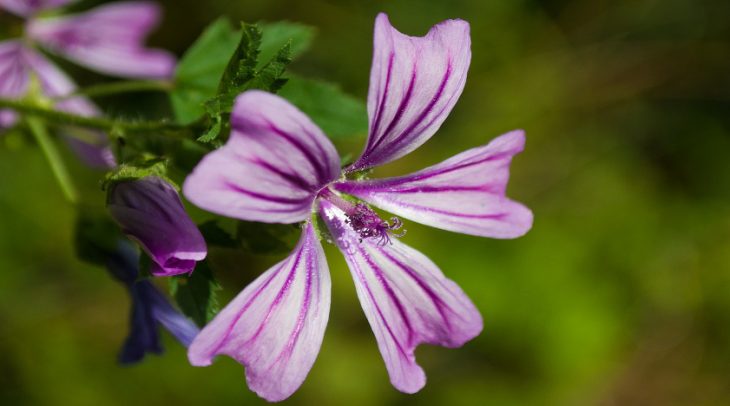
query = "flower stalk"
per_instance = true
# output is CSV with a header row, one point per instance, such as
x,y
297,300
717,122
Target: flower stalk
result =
x,y
60,172
100,123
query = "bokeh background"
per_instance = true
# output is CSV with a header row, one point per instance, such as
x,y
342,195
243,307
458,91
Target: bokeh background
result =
x,y
620,294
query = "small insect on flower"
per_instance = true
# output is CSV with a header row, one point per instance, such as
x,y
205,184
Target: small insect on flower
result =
x,y
278,167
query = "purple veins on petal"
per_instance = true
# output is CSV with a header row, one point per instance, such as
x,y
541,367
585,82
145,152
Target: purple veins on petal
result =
x,y
14,77
150,211
465,193
17,64
414,84
406,299
271,167
108,39
276,325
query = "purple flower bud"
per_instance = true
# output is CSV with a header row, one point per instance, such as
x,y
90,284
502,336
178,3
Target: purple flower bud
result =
x,y
150,211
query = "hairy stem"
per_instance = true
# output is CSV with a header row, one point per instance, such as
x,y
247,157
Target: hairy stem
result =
x,y
101,123
131,86
38,129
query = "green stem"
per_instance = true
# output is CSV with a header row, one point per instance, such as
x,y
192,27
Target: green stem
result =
x,y
109,89
38,129
101,123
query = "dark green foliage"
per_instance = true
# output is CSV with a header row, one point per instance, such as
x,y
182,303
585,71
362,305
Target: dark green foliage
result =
x,y
196,294
96,237
337,113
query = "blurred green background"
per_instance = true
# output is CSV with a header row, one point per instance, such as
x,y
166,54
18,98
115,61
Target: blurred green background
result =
x,y
620,294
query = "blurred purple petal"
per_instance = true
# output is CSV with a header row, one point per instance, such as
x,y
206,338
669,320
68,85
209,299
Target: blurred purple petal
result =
x,y
406,299
149,307
109,39
150,211
465,193
172,320
26,8
271,167
414,84
144,336
17,64
276,325
13,77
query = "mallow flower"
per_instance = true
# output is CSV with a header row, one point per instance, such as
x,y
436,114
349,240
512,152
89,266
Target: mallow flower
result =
x,y
149,211
150,309
108,39
278,167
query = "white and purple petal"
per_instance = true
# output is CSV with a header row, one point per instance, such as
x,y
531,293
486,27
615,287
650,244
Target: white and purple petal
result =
x,y
270,169
93,146
17,64
414,84
26,8
406,299
276,325
108,39
465,193
149,210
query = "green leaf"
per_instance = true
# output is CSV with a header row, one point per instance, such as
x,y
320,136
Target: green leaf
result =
x,y
259,238
278,34
200,74
337,113
215,235
199,71
241,74
95,237
145,267
196,295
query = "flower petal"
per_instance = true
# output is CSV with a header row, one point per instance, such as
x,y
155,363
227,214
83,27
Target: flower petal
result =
x,y
149,307
465,193
271,167
26,8
170,318
13,77
144,337
406,299
17,63
150,211
108,39
276,325
414,84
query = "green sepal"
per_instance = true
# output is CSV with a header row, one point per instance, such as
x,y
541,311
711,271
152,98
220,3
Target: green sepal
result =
x,y
137,170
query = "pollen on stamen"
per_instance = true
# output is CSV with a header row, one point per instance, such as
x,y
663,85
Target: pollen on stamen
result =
x,y
368,224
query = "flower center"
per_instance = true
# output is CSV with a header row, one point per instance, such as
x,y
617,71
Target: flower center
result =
x,y
364,221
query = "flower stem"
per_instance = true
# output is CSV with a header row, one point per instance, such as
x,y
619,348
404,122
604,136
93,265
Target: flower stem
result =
x,y
38,129
113,88
101,123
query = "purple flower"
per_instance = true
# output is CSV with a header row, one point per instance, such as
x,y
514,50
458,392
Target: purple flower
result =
x,y
18,64
149,211
108,39
279,167
149,309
